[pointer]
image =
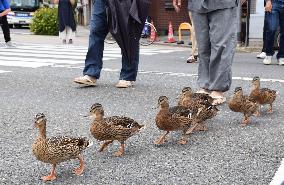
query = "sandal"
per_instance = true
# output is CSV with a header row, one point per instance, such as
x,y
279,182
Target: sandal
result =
x,y
218,100
86,80
203,91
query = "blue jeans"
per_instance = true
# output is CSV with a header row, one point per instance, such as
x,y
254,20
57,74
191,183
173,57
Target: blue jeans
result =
x,y
98,33
275,18
264,33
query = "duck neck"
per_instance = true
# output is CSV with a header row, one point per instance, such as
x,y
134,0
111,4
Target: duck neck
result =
x,y
256,86
42,132
165,106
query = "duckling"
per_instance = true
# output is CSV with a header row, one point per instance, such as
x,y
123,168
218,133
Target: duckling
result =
x,y
57,149
187,97
108,129
262,96
243,104
193,101
172,119
205,112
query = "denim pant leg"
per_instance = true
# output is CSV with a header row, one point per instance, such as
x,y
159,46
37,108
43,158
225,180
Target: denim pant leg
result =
x,y
264,32
272,25
280,53
129,69
98,32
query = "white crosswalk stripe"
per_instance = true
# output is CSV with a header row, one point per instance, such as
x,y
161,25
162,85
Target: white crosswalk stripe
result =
x,y
35,55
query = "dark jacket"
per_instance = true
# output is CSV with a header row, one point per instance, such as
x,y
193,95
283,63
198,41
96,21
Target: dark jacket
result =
x,y
205,6
66,15
126,20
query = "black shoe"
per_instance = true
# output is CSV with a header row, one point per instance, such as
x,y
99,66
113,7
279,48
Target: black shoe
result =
x,y
70,41
64,41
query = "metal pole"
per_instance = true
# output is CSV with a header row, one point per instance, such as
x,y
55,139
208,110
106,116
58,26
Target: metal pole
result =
x,y
248,23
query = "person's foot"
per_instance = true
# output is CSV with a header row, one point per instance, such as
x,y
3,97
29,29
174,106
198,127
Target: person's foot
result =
x,y
267,60
262,55
203,91
9,44
64,41
86,80
191,59
70,41
124,84
281,61
218,97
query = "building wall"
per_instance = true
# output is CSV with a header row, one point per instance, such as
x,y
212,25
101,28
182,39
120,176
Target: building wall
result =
x,y
161,12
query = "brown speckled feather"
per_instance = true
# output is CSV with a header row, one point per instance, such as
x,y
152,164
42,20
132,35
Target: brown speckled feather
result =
x,y
58,149
114,128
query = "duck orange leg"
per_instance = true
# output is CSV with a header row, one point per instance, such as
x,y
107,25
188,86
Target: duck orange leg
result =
x,y
270,108
80,169
245,122
190,130
120,152
184,139
162,139
51,176
104,145
201,127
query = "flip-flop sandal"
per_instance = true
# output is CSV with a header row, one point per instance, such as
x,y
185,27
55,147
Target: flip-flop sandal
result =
x,y
203,91
85,81
218,100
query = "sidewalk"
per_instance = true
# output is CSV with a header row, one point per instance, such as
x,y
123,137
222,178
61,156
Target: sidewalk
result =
x,y
82,39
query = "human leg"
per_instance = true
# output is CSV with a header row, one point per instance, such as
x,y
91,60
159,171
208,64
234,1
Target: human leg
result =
x,y
70,34
223,39
280,54
98,32
6,29
129,70
272,25
200,21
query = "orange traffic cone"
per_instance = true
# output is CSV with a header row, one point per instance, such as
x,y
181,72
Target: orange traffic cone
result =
x,y
153,36
170,34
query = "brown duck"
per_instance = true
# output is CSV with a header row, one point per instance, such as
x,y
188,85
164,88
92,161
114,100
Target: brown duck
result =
x,y
205,112
262,96
57,149
192,100
243,104
112,128
172,119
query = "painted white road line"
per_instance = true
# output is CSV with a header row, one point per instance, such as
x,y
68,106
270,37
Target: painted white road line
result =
x,y
278,179
195,75
2,71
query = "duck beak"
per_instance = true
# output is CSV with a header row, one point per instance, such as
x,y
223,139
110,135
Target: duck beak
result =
x,y
88,115
34,126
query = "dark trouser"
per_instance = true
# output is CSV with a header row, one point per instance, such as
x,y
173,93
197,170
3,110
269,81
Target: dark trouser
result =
x,y
264,33
5,28
216,34
275,18
98,32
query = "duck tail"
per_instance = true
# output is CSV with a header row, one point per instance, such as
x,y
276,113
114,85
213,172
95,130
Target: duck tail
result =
x,y
90,143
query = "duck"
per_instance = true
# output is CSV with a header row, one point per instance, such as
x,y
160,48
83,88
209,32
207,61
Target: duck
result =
x,y
205,112
57,149
177,118
109,129
187,97
262,96
243,104
194,101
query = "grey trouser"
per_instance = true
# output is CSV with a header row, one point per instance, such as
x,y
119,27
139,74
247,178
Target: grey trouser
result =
x,y
216,34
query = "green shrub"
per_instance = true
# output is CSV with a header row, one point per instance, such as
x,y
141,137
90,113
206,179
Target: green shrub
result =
x,y
45,22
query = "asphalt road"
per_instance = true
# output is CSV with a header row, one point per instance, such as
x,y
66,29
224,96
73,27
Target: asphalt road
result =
x,y
225,154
